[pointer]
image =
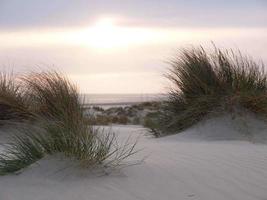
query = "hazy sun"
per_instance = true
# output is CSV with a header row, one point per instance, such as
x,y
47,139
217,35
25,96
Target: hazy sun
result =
x,y
105,34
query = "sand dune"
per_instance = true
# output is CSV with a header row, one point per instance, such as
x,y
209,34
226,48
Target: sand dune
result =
x,y
183,166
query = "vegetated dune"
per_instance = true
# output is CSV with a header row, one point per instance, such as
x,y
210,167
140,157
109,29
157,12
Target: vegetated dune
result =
x,y
206,82
211,160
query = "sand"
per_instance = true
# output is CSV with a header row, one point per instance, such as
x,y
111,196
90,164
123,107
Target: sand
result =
x,y
211,161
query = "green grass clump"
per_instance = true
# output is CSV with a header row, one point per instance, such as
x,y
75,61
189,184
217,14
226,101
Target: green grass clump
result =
x,y
211,82
91,148
20,153
59,125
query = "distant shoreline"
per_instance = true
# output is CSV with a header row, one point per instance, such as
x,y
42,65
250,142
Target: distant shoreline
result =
x,y
119,99
111,104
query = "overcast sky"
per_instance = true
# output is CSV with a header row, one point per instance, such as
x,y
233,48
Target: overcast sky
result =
x,y
122,46
209,13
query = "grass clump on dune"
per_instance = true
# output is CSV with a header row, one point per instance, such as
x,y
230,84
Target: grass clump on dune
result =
x,y
211,82
53,97
13,101
59,126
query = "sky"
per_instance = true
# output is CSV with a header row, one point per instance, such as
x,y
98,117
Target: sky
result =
x,y
123,46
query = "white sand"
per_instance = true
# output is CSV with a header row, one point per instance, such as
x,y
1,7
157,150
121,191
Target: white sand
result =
x,y
193,165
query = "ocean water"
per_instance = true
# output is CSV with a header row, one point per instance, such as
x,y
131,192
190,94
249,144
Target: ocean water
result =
x,y
119,99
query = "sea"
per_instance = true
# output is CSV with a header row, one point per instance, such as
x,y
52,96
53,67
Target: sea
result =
x,y
119,99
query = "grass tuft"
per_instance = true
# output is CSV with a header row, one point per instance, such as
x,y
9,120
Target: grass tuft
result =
x,y
13,101
59,125
211,82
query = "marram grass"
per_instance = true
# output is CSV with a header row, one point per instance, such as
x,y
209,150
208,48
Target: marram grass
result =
x,y
13,101
211,82
58,125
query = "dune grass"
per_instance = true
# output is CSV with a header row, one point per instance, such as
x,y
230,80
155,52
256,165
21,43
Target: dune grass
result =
x,y
13,101
59,125
92,148
211,82
54,97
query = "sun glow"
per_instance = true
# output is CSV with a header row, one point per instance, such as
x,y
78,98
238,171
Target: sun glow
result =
x,y
105,34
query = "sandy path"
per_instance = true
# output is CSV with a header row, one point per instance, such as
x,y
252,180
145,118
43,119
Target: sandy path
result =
x,y
175,169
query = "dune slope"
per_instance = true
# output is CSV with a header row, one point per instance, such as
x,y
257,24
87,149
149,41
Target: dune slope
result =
x,y
177,167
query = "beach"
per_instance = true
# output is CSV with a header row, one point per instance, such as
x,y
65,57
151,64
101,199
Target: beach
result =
x,y
133,100
183,166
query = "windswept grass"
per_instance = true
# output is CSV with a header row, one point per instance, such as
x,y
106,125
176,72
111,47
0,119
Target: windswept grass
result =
x,y
59,126
91,149
54,97
13,101
20,153
211,82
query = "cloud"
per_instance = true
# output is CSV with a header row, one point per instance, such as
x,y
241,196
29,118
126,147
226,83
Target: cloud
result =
x,y
33,35
16,14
